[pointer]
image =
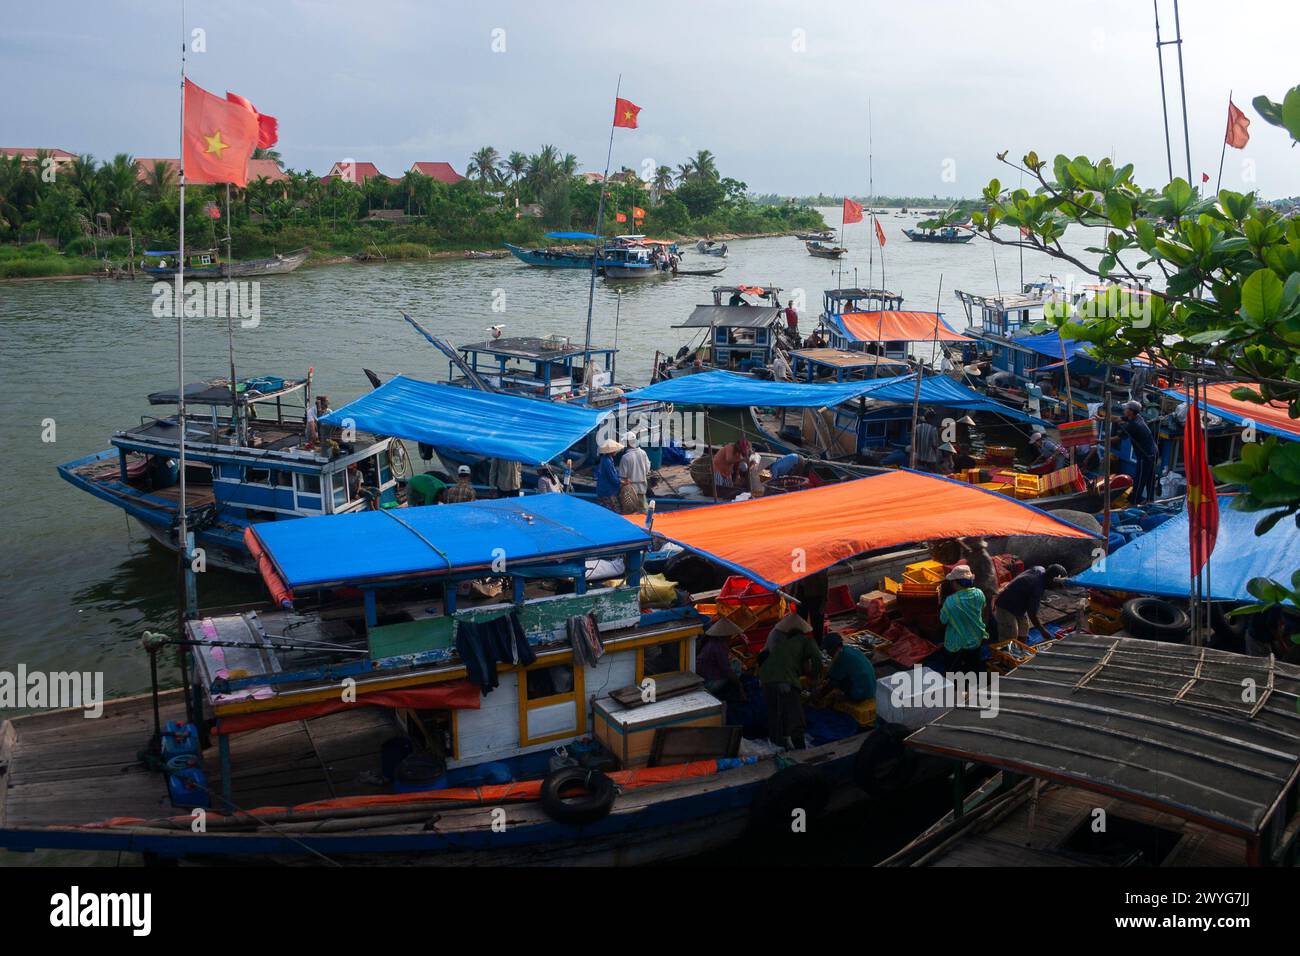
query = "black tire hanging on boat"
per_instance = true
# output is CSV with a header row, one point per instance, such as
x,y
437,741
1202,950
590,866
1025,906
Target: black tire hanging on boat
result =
x,y
595,804
797,787
1155,619
884,766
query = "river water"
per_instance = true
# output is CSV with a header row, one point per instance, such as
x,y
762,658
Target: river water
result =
x,y
81,583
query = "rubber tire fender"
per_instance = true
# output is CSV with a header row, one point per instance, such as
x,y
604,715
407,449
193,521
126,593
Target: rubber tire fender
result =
x,y
1149,617
884,766
592,806
797,787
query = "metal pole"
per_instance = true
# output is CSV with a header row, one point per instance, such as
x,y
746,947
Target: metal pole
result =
x,y
1182,89
182,533
1164,105
1223,150
230,337
595,259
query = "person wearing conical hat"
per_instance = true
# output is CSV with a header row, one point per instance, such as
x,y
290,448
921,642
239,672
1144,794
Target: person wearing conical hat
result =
x,y
713,659
634,471
791,654
608,481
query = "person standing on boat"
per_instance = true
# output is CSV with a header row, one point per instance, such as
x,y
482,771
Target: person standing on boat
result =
x,y
780,367
790,655
634,472
608,480
504,477
314,414
811,593
980,562
792,320
926,442
962,616
462,490
1135,427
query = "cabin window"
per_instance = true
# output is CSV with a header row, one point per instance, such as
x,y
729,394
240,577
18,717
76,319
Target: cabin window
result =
x,y
551,699
309,484
257,476
283,479
339,487
385,470
666,658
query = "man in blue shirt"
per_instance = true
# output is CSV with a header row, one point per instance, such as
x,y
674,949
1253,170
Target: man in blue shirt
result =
x,y
1135,428
1016,606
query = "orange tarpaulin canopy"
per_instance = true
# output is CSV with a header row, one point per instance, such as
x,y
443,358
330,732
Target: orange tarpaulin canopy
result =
x,y
782,538
896,326
1273,417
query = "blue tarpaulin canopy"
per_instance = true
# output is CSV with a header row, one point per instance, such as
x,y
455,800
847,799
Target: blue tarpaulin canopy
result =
x,y
944,391
1159,562
571,235
1049,343
730,390
466,420
388,545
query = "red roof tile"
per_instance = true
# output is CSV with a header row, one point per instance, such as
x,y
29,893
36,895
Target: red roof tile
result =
x,y
443,172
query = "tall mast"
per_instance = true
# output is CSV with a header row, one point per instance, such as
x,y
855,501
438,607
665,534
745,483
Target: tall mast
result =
x,y
182,530
588,369
871,200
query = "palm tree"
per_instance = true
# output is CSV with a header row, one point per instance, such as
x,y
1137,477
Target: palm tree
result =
x,y
568,166
483,166
82,177
705,165
160,180
662,182
684,172
261,153
120,190
516,165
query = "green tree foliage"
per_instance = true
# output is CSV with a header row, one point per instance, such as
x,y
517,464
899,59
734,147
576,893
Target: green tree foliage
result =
x,y
1230,308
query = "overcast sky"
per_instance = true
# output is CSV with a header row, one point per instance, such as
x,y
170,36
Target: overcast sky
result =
x,y
778,91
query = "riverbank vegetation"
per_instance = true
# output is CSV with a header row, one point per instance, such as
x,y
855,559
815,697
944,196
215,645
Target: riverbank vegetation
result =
x,y
85,216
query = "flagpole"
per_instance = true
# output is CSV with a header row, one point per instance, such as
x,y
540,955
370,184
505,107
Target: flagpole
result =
x,y
1223,150
235,437
871,188
182,529
595,259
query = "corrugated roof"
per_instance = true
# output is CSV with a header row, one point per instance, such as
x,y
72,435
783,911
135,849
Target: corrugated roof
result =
x,y
1166,725
732,316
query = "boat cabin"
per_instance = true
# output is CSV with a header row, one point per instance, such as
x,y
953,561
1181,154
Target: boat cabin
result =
x,y
550,367
837,302
248,459
485,629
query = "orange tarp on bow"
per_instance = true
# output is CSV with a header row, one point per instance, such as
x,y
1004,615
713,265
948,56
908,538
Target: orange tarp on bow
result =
x,y
896,326
1274,415
779,539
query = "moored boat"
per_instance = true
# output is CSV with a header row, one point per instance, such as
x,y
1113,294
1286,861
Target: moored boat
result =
x,y
948,234
822,251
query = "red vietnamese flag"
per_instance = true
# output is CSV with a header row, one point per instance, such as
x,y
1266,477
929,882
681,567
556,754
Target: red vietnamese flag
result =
x,y
638,212
218,139
625,113
1202,501
268,127
880,234
1236,136
620,217
852,212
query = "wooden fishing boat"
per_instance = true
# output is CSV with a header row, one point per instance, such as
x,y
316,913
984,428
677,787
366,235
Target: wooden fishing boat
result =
x,y
436,746
948,234
711,247
827,235
679,271
823,251
241,467
1155,736
552,258
208,265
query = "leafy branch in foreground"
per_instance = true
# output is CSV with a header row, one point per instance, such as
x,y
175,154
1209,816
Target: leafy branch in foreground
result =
x,y
1230,308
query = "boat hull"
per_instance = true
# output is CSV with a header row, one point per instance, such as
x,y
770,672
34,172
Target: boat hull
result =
x,y
270,266
551,260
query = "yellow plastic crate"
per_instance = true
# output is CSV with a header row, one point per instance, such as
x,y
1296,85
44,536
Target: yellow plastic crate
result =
x,y
863,711
923,572
1001,487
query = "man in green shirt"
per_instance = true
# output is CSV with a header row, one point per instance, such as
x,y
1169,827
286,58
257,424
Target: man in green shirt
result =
x,y
852,675
962,615
789,655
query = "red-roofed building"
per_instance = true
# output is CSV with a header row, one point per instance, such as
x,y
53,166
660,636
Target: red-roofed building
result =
x,y
442,172
353,172
61,157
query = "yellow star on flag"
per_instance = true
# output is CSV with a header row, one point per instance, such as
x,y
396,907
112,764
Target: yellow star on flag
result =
x,y
215,144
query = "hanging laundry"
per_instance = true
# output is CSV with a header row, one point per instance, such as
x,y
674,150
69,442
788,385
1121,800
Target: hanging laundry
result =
x,y
584,635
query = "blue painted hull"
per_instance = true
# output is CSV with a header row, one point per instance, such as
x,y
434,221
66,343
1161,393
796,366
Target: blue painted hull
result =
x,y
551,260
